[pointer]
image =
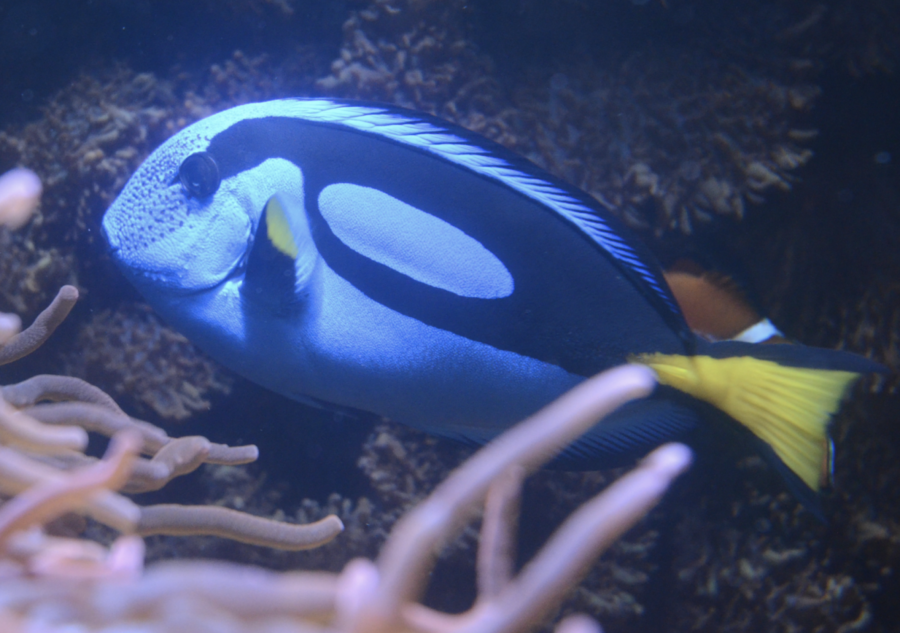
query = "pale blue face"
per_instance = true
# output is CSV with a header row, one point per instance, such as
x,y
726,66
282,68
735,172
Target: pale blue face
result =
x,y
167,240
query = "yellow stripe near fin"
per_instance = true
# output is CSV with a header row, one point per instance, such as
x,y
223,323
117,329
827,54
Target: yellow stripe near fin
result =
x,y
279,230
787,407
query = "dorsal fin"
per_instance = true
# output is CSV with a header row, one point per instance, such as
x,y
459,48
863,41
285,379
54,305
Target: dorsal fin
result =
x,y
713,304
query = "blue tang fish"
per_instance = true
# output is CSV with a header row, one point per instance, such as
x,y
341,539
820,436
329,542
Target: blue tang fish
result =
x,y
380,259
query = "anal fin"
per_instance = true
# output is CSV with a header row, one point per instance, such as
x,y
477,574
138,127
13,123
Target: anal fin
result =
x,y
620,438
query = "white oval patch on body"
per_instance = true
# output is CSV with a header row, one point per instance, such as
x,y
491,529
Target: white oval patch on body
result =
x,y
413,242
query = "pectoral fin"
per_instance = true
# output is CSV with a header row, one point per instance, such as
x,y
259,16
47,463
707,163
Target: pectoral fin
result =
x,y
282,257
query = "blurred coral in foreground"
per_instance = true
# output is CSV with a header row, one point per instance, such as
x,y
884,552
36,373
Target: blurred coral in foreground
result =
x,y
20,192
44,422
96,589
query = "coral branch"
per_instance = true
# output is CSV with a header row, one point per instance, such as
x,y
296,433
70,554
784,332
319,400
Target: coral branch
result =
x,y
178,520
234,593
19,429
55,434
526,600
38,332
96,419
99,419
57,389
179,457
497,542
10,324
20,192
408,554
49,500
570,552
18,473
249,599
578,623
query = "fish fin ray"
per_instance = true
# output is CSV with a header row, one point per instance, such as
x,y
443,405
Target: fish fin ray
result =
x,y
808,497
627,434
282,256
787,407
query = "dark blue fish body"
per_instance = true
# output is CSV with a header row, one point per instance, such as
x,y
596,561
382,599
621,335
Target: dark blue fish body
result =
x,y
379,259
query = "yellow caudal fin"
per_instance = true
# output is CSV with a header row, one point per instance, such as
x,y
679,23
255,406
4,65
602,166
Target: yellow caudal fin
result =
x,y
787,407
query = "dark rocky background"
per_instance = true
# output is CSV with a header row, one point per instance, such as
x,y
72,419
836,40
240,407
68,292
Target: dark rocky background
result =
x,y
760,139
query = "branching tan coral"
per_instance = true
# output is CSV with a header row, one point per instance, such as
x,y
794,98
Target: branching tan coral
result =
x,y
373,597
20,192
42,462
44,325
54,497
22,265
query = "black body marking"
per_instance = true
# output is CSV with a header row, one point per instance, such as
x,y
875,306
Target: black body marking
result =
x,y
573,305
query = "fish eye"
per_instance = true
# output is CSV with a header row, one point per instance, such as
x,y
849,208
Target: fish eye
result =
x,y
199,175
